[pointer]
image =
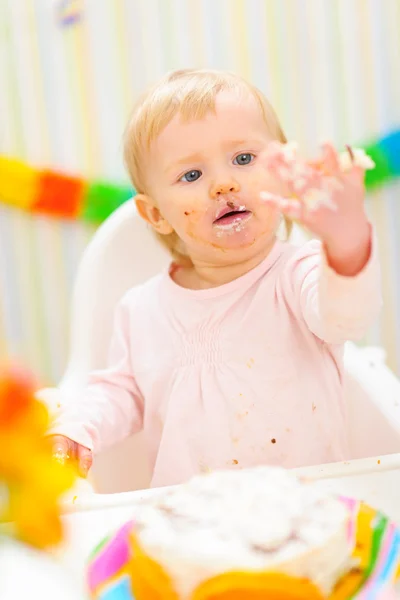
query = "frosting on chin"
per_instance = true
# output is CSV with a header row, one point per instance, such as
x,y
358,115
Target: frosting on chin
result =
x,y
262,519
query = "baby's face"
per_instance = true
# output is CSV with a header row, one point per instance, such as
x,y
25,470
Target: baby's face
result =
x,y
206,176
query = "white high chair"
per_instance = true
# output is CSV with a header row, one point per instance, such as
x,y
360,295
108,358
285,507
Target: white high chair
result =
x,y
122,254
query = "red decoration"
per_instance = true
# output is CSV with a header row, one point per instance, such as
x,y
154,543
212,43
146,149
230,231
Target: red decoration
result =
x,y
59,195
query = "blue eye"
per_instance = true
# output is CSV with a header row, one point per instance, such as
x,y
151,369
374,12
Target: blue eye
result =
x,y
243,159
191,176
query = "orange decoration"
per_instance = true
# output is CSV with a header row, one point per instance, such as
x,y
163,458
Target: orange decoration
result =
x,y
59,195
257,586
149,580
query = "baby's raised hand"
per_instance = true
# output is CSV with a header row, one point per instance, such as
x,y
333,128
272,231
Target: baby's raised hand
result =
x,y
65,450
327,197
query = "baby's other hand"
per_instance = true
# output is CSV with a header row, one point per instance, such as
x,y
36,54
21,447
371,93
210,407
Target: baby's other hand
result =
x,y
65,450
327,197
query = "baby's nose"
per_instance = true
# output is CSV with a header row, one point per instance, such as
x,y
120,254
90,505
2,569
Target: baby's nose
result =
x,y
221,189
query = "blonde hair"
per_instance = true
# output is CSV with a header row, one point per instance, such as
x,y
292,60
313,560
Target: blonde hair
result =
x,y
192,93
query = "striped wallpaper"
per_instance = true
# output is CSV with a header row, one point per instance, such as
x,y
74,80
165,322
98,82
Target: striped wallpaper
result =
x,y
330,67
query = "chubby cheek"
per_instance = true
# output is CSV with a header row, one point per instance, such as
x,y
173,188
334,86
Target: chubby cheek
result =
x,y
187,220
196,227
269,216
267,179
263,180
178,213
192,212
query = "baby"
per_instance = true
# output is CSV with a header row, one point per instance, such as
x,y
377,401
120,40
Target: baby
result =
x,y
234,356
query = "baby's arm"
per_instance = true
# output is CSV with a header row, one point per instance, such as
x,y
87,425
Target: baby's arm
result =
x,y
111,407
338,287
336,308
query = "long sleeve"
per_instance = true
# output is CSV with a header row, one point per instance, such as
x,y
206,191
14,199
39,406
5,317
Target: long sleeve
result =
x,y
111,407
335,308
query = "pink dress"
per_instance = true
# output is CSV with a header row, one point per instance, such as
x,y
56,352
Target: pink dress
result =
x,y
244,374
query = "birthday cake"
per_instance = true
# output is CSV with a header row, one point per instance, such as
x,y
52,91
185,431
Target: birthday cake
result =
x,y
253,534
254,521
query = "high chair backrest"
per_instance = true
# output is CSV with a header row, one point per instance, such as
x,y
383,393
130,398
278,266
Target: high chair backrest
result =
x,y
123,253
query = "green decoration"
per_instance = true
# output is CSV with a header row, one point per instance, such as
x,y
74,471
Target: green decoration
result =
x,y
101,199
382,172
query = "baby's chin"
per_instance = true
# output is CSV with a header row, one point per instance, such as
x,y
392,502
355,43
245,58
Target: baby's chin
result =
x,y
234,248
239,240
246,235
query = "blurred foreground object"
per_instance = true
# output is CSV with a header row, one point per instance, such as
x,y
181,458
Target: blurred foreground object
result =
x,y
31,482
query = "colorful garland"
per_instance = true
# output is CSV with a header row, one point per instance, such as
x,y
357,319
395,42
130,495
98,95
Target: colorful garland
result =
x,y
59,195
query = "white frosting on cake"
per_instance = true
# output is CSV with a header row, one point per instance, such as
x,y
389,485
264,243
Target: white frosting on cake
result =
x,y
262,519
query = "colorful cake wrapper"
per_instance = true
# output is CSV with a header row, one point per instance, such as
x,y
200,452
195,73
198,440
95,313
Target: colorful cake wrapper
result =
x,y
119,569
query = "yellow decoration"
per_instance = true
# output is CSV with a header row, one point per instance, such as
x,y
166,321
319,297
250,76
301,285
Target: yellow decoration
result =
x,y
18,183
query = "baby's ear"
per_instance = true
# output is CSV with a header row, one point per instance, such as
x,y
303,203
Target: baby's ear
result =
x,y
151,214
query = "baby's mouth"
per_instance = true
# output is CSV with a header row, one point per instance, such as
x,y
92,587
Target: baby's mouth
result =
x,y
231,215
